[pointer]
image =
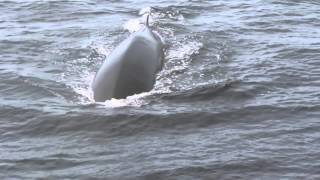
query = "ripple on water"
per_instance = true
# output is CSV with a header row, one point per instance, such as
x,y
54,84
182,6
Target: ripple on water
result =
x,y
238,96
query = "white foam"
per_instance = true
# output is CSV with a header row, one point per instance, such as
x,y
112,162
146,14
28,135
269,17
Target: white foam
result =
x,y
183,52
136,24
133,25
84,89
136,100
146,10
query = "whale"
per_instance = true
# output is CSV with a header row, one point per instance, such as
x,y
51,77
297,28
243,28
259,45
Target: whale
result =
x,y
131,67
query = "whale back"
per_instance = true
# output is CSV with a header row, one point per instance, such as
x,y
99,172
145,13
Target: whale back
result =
x,y
130,68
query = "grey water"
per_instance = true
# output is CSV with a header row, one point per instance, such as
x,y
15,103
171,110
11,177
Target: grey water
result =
x,y
238,97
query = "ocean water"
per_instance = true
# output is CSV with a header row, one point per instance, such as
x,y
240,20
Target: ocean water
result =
x,y
238,97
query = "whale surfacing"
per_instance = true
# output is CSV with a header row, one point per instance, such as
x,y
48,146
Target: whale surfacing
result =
x,y
131,67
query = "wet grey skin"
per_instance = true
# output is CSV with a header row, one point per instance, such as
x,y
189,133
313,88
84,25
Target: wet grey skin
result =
x,y
131,67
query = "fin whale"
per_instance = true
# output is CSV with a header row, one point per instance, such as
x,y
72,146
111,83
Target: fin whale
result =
x,y
131,67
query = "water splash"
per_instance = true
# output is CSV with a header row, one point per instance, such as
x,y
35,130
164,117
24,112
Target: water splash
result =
x,y
136,100
136,24
164,13
178,58
133,25
145,10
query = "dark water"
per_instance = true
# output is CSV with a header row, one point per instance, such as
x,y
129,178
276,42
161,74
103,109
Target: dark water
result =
x,y
239,96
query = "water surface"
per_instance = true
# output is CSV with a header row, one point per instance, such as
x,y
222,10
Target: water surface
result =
x,y
238,96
